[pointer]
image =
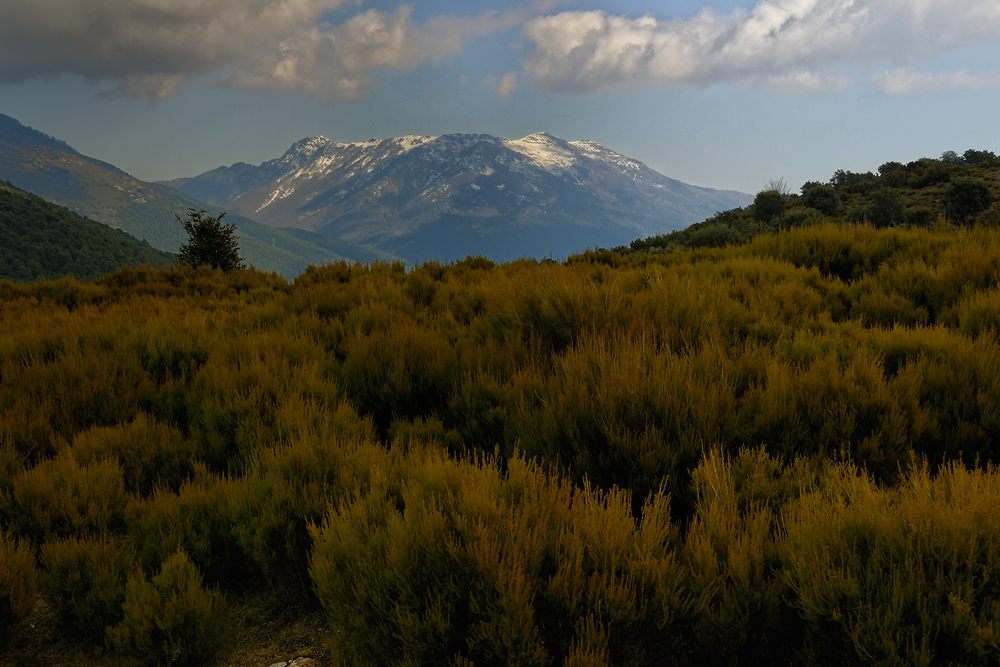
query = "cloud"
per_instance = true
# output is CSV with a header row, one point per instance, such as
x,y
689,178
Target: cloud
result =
x,y
802,82
508,82
149,86
340,62
148,48
793,43
119,39
904,80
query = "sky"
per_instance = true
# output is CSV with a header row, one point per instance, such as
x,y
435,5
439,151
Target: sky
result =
x,y
731,94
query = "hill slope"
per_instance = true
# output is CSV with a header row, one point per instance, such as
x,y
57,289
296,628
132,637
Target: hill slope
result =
x,y
41,240
958,189
449,196
54,171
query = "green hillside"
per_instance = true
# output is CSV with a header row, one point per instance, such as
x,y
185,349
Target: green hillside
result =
x,y
41,240
961,189
54,171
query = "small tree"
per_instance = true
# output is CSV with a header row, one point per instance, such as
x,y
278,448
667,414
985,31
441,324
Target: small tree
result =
x,y
887,208
210,242
768,204
823,198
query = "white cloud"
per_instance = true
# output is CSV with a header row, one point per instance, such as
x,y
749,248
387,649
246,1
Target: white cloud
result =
x,y
508,82
791,44
903,80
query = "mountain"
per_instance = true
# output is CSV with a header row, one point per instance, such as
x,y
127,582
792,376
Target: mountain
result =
x,y
41,240
449,196
56,172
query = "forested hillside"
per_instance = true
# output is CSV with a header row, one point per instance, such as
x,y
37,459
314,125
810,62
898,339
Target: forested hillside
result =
x,y
41,240
780,452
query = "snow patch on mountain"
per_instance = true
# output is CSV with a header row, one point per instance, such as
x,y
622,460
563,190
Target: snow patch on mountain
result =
x,y
280,193
410,142
544,151
596,151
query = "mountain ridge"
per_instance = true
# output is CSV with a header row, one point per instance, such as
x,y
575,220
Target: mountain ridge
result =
x,y
55,171
458,194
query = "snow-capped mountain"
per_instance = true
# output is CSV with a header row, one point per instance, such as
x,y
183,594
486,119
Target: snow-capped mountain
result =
x,y
53,170
445,197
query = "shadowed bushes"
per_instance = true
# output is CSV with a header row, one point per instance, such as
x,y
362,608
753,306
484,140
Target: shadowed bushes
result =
x,y
444,562
636,459
18,583
83,581
904,575
171,619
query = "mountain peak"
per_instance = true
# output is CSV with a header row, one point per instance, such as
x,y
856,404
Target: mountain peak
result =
x,y
310,146
546,151
456,194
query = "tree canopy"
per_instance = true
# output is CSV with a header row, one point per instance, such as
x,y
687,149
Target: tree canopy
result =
x,y
211,242
40,240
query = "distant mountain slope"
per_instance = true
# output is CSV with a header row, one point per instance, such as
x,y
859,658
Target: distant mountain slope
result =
x,y
54,171
41,240
445,197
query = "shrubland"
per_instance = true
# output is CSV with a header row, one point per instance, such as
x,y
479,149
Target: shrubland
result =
x,y
781,451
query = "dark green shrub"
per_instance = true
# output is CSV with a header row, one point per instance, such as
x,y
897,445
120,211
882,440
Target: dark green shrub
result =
x,y
59,498
480,410
823,198
476,262
886,208
420,287
797,217
712,235
290,487
557,315
767,204
454,562
919,216
973,157
18,583
198,520
898,576
83,581
405,372
732,550
237,401
151,455
631,419
965,198
171,619
11,463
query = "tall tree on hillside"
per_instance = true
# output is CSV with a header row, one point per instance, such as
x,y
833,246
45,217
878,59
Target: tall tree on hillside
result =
x,y
210,242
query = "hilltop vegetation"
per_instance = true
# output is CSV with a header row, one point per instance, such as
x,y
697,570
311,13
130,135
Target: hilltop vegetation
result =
x,y
779,452
959,188
41,240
